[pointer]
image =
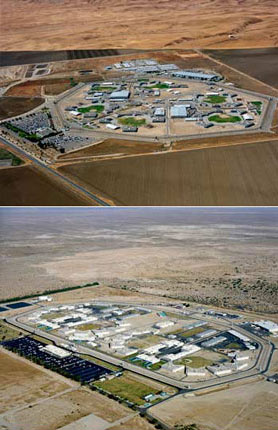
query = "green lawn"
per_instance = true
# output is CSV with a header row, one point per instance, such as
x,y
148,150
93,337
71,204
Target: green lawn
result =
x,y
6,155
195,362
224,119
234,345
215,99
132,122
193,331
102,89
88,326
128,388
161,86
257,103
98,108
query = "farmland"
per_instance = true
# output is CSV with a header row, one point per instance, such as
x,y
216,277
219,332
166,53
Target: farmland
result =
x,y
28,186
235,175
262,64
13,106
113,146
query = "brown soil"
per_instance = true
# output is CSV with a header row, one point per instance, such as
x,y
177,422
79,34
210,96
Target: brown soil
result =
x,y
262,64
23,383
247,407
235,175
135,423
222,141
113,146
12,106
138,24
28,186
29,89
67,408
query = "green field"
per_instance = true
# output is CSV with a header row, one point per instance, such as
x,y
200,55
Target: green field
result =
x,y
192,331
88,326
102,89
258,105
220,119
195,362
6,155
127,388
130,121
160,86
215,99
98,108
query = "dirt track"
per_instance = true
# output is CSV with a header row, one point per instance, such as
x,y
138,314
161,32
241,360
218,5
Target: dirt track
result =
x,y
236,175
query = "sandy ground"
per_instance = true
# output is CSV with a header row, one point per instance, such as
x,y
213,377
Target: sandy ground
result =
x,y
137,24
23,383
171,256
245,407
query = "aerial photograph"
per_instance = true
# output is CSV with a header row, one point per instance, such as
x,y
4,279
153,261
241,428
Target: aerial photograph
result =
x,y
139,318
139,103
139,214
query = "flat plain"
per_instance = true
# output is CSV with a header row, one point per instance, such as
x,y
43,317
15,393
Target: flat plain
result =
x,y
236,175
252,62
27,186
250,406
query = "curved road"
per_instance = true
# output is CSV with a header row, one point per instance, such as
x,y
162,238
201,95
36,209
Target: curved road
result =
x,y
261,365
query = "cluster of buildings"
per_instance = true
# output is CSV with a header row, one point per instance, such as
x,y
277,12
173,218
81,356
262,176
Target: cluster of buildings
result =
x,y
145,66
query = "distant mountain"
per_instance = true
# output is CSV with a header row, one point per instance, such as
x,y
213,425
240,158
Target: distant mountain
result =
x,y
70,24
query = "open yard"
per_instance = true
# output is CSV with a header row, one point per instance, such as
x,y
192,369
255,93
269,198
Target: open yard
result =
x,y
23,383
73,405
252,406
235,175
27,186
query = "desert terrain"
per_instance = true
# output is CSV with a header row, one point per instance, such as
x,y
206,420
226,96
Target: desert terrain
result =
x,y
237,408
140,24
213,256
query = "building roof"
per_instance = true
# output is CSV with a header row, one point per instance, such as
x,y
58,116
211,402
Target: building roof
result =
x,y
178,111
195,75
123,94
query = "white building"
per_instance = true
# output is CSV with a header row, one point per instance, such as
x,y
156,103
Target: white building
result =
x,y
269,326
56,351
197,372
178,111
164,324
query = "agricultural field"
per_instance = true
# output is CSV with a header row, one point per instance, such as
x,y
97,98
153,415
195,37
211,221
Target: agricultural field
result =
x,y
262,64
235,175
113,146
27,186
13,106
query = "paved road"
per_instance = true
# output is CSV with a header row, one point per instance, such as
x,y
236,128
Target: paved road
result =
x,y
47,169
261,365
